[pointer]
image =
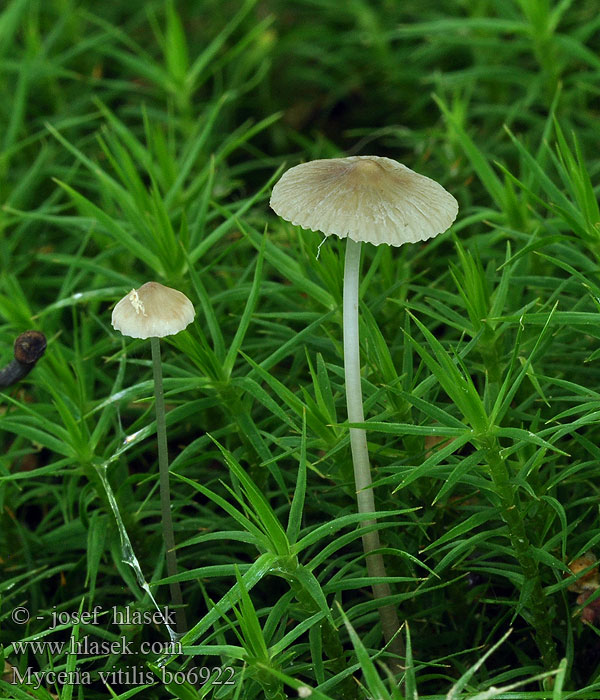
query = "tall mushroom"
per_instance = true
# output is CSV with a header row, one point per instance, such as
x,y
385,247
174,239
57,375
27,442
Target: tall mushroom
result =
x,y
154,311
375,200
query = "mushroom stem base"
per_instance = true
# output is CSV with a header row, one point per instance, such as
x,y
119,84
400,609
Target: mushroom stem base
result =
x,y
358,442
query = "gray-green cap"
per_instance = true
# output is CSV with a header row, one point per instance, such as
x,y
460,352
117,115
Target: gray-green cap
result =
x,y
366,198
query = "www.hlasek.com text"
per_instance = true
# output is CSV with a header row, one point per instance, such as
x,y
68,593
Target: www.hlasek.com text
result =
x,y
96,647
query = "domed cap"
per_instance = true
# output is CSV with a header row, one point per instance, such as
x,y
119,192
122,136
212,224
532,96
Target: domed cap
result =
x,y
366,198
152,311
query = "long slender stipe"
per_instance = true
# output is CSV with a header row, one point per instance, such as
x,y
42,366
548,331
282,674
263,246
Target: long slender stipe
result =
x,y
165,491
358,441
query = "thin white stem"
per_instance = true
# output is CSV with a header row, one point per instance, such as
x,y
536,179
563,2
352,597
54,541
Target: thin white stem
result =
x,y
165,493
358,440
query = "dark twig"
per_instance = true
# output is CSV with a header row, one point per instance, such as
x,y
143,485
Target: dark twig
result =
x,y
29,347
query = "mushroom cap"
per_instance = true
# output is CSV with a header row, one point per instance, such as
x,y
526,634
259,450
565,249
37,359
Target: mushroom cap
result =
x,y
366,198
152,311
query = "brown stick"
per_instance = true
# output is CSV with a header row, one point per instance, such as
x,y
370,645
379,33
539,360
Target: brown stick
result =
x,y
29,347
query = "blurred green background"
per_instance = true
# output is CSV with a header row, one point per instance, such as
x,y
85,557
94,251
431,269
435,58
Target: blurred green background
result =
x,y
140,140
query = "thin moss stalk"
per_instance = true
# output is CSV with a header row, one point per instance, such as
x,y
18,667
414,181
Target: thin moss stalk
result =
x,y
493,367
165,491
332,646
511,514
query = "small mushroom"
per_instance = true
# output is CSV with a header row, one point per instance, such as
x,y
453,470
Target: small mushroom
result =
x,y
155,311
152,311
375,200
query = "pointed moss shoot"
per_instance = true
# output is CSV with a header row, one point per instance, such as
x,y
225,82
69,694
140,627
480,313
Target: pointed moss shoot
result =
x,y
155,311
375,200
